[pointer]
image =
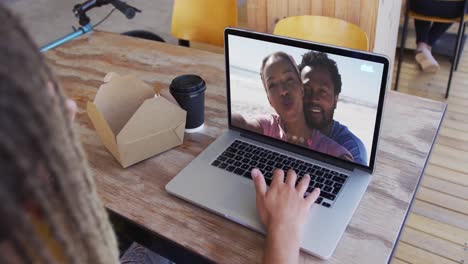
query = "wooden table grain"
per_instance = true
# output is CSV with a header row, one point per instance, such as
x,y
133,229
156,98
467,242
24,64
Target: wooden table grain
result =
x,y
410,125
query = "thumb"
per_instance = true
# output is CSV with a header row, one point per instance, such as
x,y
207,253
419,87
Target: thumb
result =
x,y
259,181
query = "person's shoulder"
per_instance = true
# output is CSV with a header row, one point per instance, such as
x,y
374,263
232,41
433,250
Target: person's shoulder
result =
x,y
340,133
350,141
322,139
338,129
328,145
319,135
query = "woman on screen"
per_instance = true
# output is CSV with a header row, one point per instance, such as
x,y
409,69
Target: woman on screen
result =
x,y
285,93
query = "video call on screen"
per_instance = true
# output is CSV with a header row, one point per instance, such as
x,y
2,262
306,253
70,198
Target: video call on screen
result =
x,y
320,101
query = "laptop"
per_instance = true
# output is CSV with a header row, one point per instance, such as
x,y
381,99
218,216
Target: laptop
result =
x,y
340,161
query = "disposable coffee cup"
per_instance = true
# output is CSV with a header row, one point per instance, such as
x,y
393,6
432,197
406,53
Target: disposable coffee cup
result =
x,y
189,92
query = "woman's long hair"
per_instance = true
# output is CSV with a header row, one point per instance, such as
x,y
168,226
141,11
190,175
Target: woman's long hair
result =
x,y
37,139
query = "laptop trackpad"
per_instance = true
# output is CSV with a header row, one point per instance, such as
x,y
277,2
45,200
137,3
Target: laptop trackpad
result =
x,y
240,204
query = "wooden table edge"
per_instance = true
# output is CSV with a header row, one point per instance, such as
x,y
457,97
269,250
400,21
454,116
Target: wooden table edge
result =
x,y
413,196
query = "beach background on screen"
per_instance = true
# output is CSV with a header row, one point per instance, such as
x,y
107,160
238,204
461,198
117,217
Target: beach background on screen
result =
x,y
357,105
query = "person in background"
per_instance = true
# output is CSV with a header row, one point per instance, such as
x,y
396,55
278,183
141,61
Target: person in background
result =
x,y
50,209
322,87
427,32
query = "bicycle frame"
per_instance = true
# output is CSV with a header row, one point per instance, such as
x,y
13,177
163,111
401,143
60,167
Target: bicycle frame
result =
x,y
81,31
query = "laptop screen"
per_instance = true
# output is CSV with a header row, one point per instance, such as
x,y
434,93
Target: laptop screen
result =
x,y
320,98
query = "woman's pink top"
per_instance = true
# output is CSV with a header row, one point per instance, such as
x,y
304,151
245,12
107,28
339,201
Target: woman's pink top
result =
x,y
317,141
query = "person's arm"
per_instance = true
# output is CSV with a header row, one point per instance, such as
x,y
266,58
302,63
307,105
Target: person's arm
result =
x,y
283,211
252,125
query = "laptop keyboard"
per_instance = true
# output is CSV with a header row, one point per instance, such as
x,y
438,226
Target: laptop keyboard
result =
x,y
241,157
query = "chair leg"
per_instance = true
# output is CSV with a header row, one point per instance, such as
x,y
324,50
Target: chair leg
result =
x,y
459,53
455,51
183,42
402,47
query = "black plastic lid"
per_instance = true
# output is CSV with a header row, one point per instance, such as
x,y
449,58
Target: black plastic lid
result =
x,y
187,84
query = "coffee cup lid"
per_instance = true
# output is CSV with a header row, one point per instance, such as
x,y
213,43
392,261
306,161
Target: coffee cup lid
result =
x,y
187,84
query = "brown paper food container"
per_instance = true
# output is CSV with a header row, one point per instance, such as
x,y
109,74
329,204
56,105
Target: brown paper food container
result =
x,y
133,123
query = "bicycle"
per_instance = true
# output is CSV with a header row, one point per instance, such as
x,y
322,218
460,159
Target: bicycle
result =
x,y
85,23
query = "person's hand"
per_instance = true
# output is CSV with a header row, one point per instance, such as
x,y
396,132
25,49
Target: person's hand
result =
x,y
72,108
283,206
283,211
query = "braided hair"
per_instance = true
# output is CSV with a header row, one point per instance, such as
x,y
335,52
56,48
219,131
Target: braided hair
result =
x,y
36,139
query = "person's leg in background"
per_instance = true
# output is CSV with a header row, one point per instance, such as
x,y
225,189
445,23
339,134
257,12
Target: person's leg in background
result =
x,y
422,31
424,41
427,33
436,31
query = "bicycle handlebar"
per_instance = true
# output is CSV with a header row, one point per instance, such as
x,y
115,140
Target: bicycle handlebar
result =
x,y
80,12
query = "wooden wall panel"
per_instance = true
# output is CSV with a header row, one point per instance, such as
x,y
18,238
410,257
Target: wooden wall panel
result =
x,y
359,12
368,19
299,7
316,7
328,8
257,15
276,10
354,12
341,9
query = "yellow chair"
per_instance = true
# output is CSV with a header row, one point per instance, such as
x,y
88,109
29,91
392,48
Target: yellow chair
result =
x,y
203,20
323,29
456,52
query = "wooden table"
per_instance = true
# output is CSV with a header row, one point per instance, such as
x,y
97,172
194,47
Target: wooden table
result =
x,y
410,125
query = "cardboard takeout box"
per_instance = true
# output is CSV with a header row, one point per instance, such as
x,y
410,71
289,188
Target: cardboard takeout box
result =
x,y
133,123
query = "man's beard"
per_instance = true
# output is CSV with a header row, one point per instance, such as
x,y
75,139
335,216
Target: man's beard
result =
x,y
323,123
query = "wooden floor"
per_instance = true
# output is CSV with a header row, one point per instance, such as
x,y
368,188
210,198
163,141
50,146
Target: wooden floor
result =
x,y
437,227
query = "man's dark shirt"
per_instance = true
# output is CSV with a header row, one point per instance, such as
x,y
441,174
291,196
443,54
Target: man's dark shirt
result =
x,y
347,139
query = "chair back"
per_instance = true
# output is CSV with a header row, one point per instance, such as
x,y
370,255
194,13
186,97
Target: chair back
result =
x,y
203,20
323,29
